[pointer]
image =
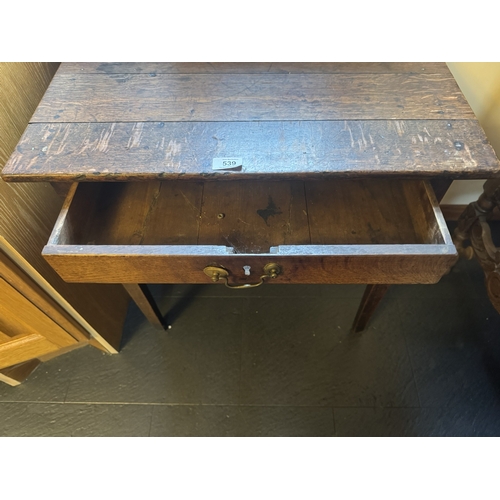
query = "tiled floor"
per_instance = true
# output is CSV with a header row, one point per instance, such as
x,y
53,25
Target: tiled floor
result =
x,y
280,361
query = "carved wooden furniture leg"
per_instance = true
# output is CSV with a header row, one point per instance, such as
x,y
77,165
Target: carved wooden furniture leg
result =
x,y
473,226
371,299
145,302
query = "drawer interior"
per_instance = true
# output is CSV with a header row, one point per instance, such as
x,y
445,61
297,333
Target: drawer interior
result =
x,y
252,216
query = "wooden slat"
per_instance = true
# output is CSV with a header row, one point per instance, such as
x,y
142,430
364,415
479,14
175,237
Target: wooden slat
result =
x,y
23,348
252,67
141,151
235,97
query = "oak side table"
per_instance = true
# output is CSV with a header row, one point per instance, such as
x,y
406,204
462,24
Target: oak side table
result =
x,y
251,174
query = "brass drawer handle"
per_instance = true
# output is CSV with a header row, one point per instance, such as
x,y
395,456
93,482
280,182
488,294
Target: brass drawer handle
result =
x,y
218,273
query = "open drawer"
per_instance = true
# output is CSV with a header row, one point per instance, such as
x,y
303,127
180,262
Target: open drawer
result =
x,y
331,231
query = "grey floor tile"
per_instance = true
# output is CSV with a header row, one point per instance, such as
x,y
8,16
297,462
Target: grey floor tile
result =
x,y
301,352
240,421
376,422
164,293
404,422
187,420
453,363
274,360
265,290
59,419
343,291
286,421
197,361
460,422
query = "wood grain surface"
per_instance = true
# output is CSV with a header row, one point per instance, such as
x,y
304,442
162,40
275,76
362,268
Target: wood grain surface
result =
x,y
29,211
31,291
248,216
143,121
253,67
336,231
381,264
145,151
232,97
22,86
24,348
19,316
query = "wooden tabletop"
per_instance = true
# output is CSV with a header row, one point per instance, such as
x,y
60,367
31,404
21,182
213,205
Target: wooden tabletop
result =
x,y
141,121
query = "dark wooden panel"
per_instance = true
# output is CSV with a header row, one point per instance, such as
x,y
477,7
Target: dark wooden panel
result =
x,y
373,211
140,151
122,213
151,213
175,214
251,217
242,97
346,267
253,67
279,231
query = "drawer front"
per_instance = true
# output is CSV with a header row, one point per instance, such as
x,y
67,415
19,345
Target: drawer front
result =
x,y
389,268
329,232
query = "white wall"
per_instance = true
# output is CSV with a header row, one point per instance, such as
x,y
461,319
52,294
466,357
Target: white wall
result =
x,y
480,83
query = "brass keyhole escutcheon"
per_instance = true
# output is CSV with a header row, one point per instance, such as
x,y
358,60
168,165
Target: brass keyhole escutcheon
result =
x,y
216,273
